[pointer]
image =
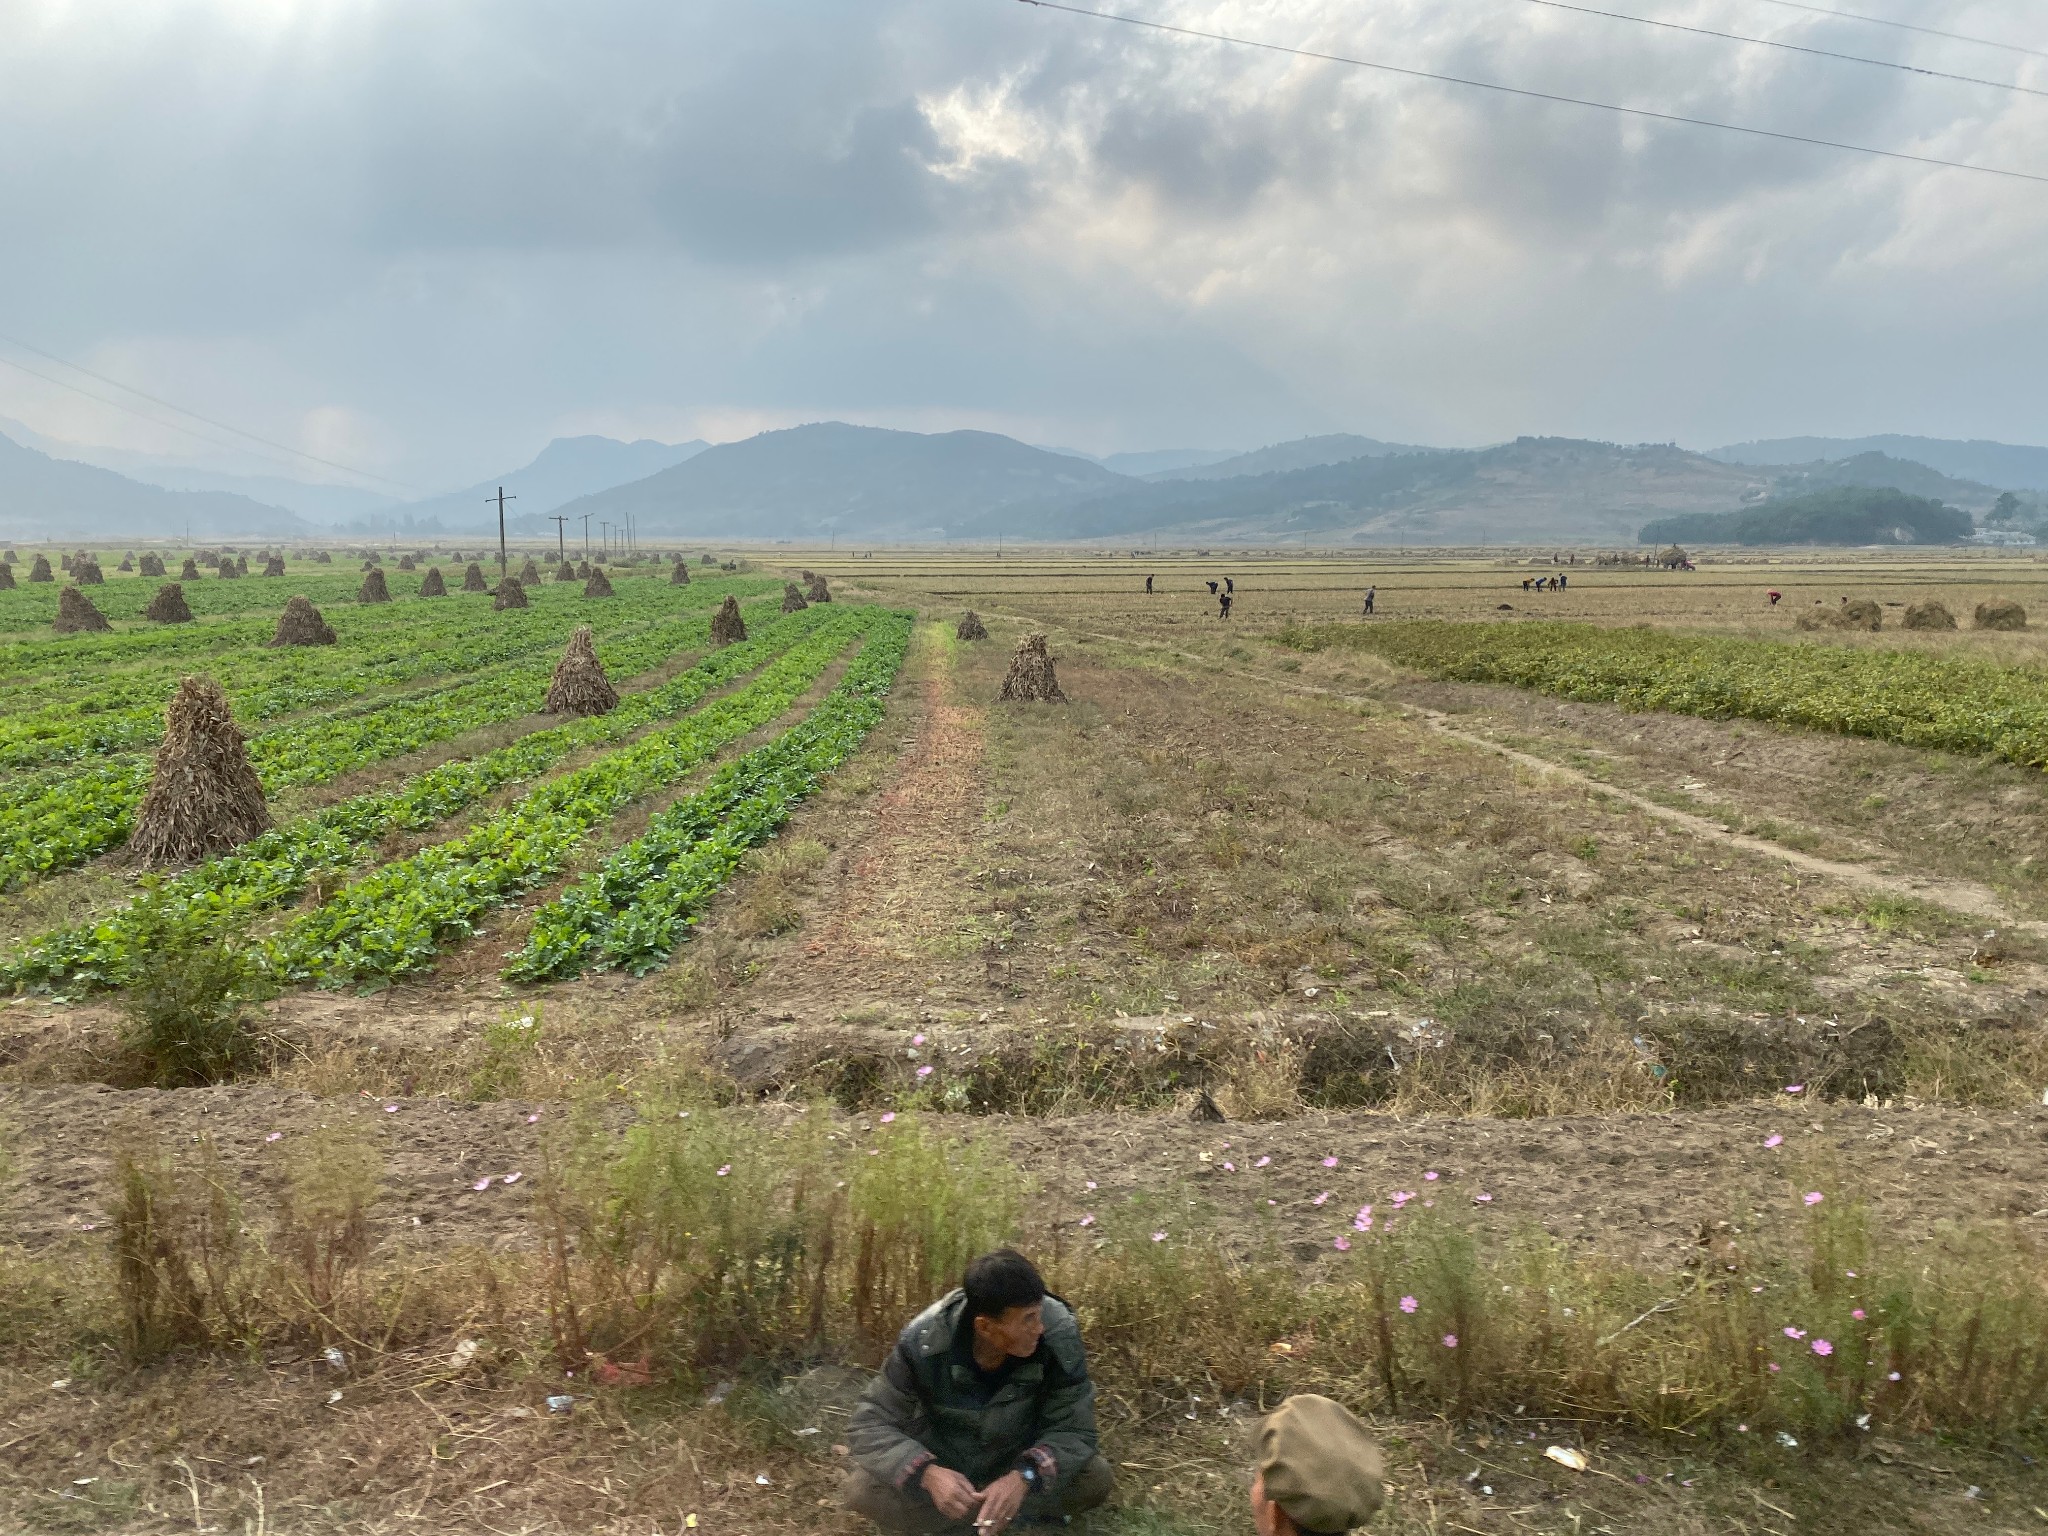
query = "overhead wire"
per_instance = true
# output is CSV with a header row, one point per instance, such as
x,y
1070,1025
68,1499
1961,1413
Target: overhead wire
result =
x,y
1494,86
119,405
1772,42
1907,26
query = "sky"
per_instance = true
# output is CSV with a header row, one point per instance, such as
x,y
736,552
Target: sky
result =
x,y
422,237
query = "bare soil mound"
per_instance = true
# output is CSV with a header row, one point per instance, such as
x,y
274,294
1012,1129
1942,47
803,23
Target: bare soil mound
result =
x,y
76,614
301,624
579,686
1031,677
727,627
2000,613
169,605
204,798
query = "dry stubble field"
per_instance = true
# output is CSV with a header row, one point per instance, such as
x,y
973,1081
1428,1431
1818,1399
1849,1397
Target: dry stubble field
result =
x,y
1457,937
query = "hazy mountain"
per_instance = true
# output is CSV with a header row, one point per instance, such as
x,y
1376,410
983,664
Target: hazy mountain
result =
x,y
1162,461
45,498
1302,453
1840,515
1882,470
829,477
2007,465
567,468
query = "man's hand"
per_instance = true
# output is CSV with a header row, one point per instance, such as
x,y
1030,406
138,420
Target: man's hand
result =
x,y
1000,1501
952,1495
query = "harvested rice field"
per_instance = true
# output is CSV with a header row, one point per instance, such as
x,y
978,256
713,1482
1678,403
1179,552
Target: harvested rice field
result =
x,y
1606,1019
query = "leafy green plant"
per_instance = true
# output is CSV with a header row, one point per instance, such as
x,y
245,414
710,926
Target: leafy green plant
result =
x,y
187,987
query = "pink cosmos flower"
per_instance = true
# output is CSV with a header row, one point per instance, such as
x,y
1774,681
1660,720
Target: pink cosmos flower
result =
x,y
1450,1341
1319,1199
888,1115
1774,1140
1795,1087
1158,1237
1431,1175
514,1176
534,1118
482,1183
1409,1304
1795,1333
925,1070
390,1109
1857,1314
1329,1162
1088,1221
1342,1245
917,1039
724,1171
1823,1347
1774,1367
1363,1220
1091,1183
274,1136
1262,1162
1813,1197
1230,1167
1402,1197
1894,1376
1482,1198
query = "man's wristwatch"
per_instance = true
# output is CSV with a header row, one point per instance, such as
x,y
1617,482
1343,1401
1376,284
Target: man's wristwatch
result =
x,y
1030,1476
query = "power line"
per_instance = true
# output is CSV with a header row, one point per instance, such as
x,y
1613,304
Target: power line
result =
x,y
1907,26
1515,90
1768,42
297,453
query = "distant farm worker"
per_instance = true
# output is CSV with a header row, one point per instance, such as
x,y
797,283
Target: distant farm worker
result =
x,y
1773,594
1525,583
1226,601
983,1414
1564,580
1148,586
1371,596
1229,584
1212,589
1319,1472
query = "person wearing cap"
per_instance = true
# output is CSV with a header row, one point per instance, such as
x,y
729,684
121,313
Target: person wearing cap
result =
x,y
1319,1471
982,1416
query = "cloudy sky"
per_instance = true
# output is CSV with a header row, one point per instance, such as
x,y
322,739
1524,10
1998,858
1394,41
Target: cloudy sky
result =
x,y
424,236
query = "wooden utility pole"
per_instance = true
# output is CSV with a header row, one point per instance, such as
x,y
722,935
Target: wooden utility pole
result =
x,y
604,540
586,535
501,498
561,548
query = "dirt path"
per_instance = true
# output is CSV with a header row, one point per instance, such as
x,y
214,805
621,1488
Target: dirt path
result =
x,y
1960,896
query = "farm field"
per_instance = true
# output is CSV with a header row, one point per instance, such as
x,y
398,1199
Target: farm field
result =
x,y
1648,991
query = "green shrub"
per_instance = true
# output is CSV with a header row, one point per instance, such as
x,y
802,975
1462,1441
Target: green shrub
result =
x,y
185,997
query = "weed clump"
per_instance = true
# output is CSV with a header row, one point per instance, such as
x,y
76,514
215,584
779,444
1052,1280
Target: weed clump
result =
x,y
204,797
1031,677
579,686
184,997
169,605
301,624
76,614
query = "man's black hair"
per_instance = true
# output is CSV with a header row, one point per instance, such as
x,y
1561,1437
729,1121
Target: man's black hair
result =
x,y
998,1281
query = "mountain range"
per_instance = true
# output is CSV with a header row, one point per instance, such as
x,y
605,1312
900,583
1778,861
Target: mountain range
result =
x,y
2010,466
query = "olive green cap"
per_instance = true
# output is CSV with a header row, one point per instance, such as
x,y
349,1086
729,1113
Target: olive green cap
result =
x,y
1320,1465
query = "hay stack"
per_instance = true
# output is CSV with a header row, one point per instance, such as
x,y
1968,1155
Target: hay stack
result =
x,y
820,593
565,572
190,571
127,563
374,589
64,564
151,564
86,572
579,686
708,560
432,585
510,594
203,798
473,579
230,571
599,585
2000,613
583,570
301,624
274,566
529,573
1031,677
6,577
970,627
76,614
1929,615
40,571
727,627
792,599
321,557
679,575
407,563
1859,613
169,605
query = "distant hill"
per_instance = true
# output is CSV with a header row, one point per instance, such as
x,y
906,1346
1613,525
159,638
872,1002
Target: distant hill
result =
x,y
2005,465
1302,453
45,498
832,478
1879,469
567,468
1844,515
1159,461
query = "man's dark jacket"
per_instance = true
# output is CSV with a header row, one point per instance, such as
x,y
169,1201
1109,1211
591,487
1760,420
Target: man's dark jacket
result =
x,y
924,1405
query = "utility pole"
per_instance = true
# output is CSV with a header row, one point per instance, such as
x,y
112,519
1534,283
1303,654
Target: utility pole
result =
x,y
586,536
561,548
604,540
501,498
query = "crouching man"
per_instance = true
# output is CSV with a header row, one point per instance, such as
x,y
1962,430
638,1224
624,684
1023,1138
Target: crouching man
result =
x,y
983,1415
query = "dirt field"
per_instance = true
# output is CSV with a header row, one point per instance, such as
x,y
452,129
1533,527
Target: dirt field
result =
x,y
1583,962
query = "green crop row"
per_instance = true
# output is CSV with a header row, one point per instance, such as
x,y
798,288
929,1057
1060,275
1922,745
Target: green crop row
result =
x,y
276,868
397,918
64,818
1922,700
635,909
